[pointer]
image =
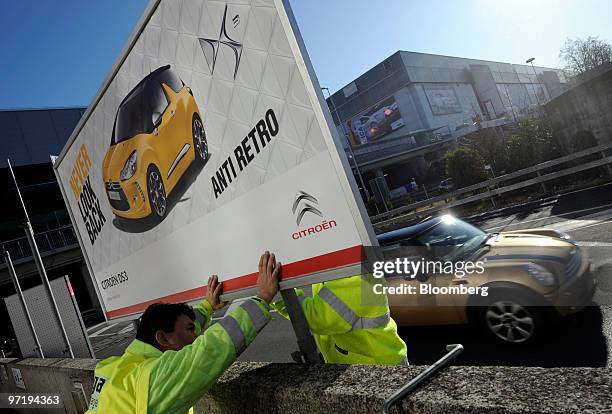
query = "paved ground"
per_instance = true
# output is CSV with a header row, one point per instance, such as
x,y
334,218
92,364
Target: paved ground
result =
x,y
110,338
583,339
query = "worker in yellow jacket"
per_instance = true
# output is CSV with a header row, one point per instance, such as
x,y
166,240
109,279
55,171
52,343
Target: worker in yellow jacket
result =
x,y
350,324
169,366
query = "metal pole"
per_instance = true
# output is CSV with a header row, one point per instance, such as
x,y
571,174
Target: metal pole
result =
x,y
350,146
78,313
25,211
309,353
11,269
43,276
453,351
534,89
40,266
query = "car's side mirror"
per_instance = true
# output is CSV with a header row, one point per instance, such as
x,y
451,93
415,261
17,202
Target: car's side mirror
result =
x,y
156,119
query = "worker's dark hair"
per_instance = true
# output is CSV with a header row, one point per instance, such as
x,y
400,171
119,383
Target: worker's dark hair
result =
x,y
160,316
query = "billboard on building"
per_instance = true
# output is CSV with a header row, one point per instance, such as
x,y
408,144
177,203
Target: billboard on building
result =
x,y
207,145
442,100
375,122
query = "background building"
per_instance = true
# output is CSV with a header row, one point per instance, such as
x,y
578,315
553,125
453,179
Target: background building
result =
x,y
28,138
409,110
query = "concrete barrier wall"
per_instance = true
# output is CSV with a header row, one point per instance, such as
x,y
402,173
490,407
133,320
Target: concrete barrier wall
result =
x,y
293,388
584,107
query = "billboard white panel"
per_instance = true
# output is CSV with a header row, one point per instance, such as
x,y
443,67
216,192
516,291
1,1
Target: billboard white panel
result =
x,y
208,144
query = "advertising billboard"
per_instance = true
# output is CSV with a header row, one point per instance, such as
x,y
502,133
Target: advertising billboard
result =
x,y
442,100
375,122
207,145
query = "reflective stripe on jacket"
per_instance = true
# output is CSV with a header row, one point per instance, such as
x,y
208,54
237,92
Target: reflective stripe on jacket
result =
x,y
147,380
348,330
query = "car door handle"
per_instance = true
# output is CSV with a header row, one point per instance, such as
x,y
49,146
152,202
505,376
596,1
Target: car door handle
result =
x,y
459,281
171,113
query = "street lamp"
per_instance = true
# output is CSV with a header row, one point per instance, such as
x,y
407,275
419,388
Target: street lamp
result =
x,y
350,147
530,61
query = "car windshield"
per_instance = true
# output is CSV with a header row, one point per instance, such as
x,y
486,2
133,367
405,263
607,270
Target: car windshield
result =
x,y
135,115
452,239
132,118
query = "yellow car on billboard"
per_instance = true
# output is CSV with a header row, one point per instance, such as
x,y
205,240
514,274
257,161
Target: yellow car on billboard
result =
x,y
158,133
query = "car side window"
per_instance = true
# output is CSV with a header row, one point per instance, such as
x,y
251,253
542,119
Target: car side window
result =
x,y
158,99
170,79
403,249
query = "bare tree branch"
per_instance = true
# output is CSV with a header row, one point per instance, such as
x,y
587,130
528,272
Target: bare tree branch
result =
x,y
581,55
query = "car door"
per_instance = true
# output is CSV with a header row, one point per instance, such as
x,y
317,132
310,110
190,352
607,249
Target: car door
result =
x,y
181,121
165,146
442,244
448,306
412,308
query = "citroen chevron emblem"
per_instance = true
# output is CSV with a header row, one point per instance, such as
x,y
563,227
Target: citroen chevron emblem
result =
x,y
211,47
303,200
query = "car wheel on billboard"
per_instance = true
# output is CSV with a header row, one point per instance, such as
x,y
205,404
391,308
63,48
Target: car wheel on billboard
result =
x,y
199,139
156,192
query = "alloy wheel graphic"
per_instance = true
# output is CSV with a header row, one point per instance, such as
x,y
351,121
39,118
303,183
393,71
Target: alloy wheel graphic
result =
x,y
157,193
302,205
200,139
211,47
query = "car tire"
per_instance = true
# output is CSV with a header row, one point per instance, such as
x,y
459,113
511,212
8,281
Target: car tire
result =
x,y
156,191
510,317
200,144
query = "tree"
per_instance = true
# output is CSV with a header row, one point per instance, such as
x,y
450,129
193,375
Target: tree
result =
x,y
465,166
486,142
581,55
436,171
531,142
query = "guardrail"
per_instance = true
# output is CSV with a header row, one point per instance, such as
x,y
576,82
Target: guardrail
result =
x,y
408,212
62,237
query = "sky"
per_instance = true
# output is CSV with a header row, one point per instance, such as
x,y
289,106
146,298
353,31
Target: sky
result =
x,y
58,53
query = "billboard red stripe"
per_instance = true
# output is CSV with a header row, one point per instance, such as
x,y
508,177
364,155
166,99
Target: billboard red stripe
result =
x,y
187,295
339,258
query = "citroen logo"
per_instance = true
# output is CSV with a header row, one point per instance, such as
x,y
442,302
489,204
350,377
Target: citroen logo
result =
x,y
302,205
211,47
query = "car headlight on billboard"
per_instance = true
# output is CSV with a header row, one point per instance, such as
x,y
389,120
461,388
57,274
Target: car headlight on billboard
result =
x,y
129,169
541,275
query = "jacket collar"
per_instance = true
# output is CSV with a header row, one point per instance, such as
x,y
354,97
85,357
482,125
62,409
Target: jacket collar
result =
x,y
137,347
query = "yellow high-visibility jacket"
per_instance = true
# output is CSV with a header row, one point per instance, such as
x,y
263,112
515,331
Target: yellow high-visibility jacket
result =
x,y
348,327
147,380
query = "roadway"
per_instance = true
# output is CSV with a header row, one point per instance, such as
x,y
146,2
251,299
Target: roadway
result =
x,y
583,339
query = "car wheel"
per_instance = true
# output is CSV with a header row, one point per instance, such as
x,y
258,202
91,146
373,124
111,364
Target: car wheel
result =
x,y
199,138
508,319
157,192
